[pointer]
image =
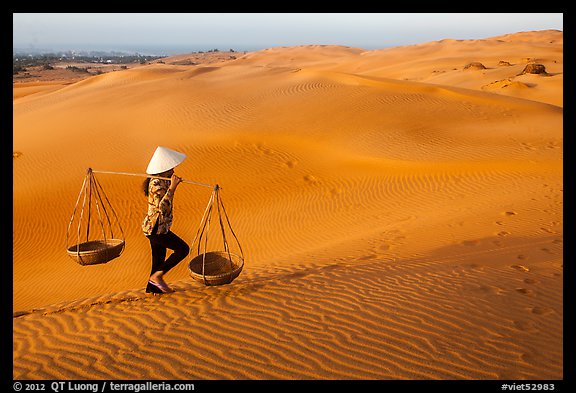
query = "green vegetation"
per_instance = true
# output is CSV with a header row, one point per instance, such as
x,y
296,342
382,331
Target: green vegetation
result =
x,y
77,69
21,61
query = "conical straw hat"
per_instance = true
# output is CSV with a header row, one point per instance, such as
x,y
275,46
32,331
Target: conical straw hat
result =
x,y
163,160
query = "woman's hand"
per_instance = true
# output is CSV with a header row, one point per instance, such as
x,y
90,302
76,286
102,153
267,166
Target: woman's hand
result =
x,y
174,181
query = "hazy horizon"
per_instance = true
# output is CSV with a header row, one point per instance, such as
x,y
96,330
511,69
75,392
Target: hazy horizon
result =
x,y
168,50
169,34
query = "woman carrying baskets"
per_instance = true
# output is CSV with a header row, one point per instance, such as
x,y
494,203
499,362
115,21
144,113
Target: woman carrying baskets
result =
x,y
158,220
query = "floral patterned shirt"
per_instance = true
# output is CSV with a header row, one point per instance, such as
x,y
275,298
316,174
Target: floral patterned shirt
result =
x,y
159,207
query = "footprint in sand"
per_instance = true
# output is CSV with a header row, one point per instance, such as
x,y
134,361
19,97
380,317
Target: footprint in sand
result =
x,y
520,268
524,291
529,358
528,146
541,310
335,192
490,290
392,238
526,326
547,230
310,179
396,234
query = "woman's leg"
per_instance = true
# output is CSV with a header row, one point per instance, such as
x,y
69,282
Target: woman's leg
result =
x,y
159,245
181,250
158,253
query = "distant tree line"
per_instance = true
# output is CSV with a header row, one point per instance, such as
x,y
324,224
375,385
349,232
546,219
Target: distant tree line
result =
x,y
21,61
77,69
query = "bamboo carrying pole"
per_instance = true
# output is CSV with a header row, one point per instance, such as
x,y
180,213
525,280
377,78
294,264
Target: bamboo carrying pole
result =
x,y
156,177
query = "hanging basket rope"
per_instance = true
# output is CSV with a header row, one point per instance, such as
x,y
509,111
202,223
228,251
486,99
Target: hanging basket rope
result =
x,y
92,248
215,267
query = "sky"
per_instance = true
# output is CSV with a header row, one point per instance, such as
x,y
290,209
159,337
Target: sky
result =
x,y
173,33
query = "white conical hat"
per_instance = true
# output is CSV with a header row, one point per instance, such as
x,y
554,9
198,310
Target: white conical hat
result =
x,y
163,160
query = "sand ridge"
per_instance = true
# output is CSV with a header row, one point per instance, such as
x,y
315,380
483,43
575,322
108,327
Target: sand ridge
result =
x,y
398,223
347,320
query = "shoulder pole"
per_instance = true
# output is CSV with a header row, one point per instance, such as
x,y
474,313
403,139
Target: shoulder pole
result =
x,y
155,177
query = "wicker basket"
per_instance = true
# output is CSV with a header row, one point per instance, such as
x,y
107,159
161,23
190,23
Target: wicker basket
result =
x,y
218,267
96,251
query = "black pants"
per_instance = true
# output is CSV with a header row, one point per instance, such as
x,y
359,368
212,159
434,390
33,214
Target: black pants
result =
x,y
160,244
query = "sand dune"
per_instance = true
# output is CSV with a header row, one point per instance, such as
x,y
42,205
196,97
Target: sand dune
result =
x,y
401,217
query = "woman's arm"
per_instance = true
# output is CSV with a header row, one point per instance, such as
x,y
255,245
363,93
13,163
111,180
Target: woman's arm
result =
x,y
162,194
174,181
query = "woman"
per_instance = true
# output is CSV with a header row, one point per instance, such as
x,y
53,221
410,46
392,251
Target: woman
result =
x,y
158,220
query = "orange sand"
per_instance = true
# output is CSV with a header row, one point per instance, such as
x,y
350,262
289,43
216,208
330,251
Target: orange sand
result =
x,y
401,216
